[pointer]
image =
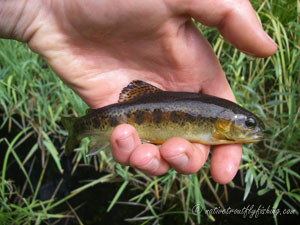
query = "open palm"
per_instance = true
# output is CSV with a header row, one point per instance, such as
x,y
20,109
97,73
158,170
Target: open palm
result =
x,y
98,47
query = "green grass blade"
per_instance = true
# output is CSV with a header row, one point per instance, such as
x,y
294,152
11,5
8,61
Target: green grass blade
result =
x,y
117,196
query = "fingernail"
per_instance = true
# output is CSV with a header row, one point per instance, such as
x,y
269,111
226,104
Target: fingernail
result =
x,y
126,144
248,53
274,43
152,165
180,160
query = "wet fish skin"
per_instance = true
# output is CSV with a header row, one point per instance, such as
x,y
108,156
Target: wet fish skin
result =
x,y
159,115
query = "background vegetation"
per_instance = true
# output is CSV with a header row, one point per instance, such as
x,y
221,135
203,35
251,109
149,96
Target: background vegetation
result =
x,y
38,185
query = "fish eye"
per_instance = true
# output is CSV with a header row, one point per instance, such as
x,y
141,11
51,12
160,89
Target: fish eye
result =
x,y
250,122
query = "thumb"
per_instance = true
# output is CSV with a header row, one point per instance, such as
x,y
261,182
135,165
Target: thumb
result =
x,y
236,20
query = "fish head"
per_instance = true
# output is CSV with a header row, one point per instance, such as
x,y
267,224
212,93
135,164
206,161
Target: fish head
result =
x,y
240,128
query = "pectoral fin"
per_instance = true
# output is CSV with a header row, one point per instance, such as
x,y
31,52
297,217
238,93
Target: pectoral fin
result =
x,y
96,145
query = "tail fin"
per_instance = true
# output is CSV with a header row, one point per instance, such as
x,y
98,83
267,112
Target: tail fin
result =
x,y
72,141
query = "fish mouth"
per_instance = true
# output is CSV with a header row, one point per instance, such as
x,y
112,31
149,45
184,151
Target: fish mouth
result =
x,y
254,136
257,137
251,136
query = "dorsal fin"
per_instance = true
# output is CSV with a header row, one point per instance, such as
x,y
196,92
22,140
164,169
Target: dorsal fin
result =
x,y
136,89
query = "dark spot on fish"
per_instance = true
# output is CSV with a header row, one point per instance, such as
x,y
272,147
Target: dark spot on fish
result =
x,y
128,114
104,116
139,117
96,123
182,123
190,118
113,121
175,117
105,123
200,122
157,115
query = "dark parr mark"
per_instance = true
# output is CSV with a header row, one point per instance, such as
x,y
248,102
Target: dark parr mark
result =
x,y
139,117
157,115
175,117
113,121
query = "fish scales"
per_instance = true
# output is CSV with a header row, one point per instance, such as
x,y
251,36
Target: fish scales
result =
x,y
159,115
148,118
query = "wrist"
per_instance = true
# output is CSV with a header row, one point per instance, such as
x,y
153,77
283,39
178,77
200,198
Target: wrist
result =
x,y
16,18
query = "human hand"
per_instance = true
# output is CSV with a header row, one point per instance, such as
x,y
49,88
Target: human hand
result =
x,y
98,47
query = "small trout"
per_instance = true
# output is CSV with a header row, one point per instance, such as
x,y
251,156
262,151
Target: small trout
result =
x,y
158,115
